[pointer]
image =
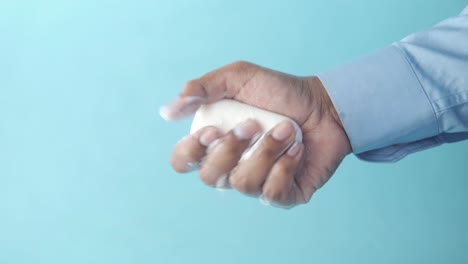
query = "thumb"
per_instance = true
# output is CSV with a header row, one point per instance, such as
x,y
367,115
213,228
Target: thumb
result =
x,y
223,83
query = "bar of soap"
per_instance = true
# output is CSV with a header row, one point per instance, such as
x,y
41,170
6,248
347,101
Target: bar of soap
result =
x,y
226,114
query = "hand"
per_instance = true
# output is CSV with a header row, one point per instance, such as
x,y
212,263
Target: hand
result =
x,y
280,171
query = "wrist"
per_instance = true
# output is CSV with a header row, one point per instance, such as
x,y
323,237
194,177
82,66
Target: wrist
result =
x,y
325,103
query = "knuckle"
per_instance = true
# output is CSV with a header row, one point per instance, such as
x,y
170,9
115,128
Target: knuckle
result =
x,y
228,150
186,151
206,177
274,195
233,146
191,84
230,141
178,167
267,150
182,166
179,162
241,184
281,170
240,64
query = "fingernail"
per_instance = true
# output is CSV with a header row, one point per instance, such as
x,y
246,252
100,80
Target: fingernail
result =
x,y
191,166
283,131
222,183
294,149
208,137
246,129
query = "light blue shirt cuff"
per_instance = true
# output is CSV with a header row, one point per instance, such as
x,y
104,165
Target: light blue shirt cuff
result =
x,y
380,101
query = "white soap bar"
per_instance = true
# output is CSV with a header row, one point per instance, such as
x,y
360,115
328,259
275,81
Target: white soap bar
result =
x,y
226,114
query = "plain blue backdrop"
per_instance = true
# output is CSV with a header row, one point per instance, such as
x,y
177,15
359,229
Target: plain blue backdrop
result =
x,y
84,173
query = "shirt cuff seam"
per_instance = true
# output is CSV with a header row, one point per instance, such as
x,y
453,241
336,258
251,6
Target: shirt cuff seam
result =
x,y
401,153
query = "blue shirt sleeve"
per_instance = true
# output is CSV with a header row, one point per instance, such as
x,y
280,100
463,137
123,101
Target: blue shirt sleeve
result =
x,y
409,96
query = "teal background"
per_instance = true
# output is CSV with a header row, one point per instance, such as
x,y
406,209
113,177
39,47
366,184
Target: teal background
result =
x,y
84,173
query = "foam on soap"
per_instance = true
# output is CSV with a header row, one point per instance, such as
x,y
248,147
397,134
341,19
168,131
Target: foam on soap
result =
x,y
226,114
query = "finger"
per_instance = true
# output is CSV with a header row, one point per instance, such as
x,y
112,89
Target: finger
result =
x,y
250,174
225,82
278,188
322,156
189,151
223,157
182,107
218,84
